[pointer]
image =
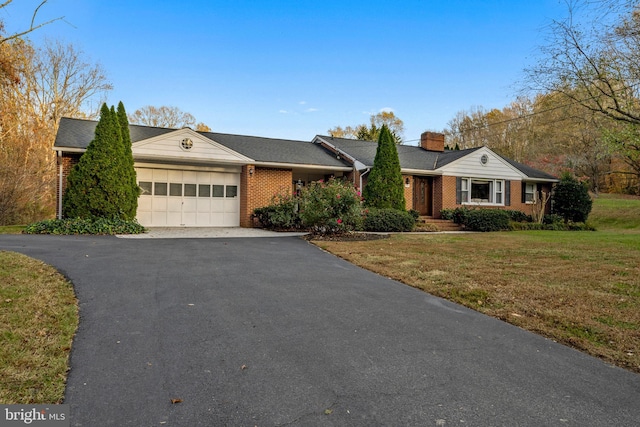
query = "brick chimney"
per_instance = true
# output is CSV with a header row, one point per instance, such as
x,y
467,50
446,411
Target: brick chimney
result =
x,y
432,141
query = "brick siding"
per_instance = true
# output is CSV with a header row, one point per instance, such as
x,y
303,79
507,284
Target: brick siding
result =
x,y
259,187
68,161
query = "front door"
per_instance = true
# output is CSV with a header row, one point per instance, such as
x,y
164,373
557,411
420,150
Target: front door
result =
x,y
422,195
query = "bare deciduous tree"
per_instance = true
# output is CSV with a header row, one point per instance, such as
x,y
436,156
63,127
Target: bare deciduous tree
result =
x,y
52,82
165,117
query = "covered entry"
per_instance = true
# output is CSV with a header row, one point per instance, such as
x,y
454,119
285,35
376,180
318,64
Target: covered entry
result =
x,y
174,198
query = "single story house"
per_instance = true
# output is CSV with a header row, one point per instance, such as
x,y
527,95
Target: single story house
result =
x,y
208,179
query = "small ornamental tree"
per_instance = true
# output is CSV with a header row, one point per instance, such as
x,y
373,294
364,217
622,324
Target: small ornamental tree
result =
x,y
570,199
385,188
96,186
130,205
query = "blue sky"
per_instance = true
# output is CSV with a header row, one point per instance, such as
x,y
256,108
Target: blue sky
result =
x,y
294,69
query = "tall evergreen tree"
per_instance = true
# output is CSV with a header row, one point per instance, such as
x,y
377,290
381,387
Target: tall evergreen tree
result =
x,y
129,173
385,188
95,186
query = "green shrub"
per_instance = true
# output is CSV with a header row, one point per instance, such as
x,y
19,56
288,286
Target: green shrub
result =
x,y
84,226
553,219
571,199
330,207
486,220
447,214
414,213
518,216
281,214
388,220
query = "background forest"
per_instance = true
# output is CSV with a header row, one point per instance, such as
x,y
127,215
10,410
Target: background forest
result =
x,y
578,107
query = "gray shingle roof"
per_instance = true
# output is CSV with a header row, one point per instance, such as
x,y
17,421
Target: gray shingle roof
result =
x,y
78,133
410,156
529,171
271,150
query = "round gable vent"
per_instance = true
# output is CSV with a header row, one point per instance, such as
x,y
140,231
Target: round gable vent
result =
x,y
484,159
186,144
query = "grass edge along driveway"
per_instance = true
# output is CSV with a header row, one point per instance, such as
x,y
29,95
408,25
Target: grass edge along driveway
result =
x,y
38,319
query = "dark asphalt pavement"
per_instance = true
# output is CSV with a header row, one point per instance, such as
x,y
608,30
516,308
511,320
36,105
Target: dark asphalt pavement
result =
x,y
275,332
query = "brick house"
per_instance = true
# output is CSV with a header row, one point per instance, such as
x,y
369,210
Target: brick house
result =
x,y
190,178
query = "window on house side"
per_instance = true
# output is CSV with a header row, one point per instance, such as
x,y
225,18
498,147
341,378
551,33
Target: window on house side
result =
x,y
529,192
482,191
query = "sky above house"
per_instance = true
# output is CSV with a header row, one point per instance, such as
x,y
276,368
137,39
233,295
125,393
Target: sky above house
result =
x,y
294,69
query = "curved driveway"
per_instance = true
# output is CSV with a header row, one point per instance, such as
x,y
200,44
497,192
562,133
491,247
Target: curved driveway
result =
x,y
274,332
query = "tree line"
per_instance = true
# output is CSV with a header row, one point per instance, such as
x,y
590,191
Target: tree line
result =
x,y
580,108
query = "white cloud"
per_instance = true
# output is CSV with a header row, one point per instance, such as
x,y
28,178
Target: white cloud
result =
x,y
311,110
302,102
283,112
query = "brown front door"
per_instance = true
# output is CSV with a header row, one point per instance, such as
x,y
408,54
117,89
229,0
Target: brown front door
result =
x,y
422,195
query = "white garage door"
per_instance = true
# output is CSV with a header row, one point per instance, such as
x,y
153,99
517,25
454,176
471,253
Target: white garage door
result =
x,y
173,198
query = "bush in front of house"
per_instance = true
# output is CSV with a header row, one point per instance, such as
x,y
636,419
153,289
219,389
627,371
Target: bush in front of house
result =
x,y
281,214
388,220
385,186
330,207
85,226
487,220
102,183
571,200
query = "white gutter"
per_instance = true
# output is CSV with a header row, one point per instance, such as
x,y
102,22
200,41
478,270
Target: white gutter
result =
x,y
361,175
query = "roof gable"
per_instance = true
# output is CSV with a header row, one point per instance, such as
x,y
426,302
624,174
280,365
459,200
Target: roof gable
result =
x,y
185,145
481,163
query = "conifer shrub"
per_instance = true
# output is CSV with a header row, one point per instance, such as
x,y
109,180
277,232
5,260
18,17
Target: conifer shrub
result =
x,y
100,185
385,187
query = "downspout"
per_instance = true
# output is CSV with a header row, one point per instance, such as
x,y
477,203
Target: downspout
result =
x,y
59,186
361,175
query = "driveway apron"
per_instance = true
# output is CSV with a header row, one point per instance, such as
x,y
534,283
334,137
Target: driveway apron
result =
x,y
274,331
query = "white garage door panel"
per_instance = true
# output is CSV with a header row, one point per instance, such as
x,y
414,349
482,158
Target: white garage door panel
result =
x,y
181,205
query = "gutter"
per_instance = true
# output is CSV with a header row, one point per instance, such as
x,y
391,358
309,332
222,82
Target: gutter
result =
x,y
361,175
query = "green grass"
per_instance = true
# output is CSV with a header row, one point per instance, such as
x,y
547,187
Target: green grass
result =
x,y
615,212
581,288
38,318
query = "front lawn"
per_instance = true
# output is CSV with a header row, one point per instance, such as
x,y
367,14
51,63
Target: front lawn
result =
x,y
38,318
578,288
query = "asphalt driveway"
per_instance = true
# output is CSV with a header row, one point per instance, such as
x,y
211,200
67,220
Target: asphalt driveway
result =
x,y
274,332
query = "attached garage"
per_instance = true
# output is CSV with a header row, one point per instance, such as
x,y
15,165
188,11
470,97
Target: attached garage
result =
x,y
174,197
